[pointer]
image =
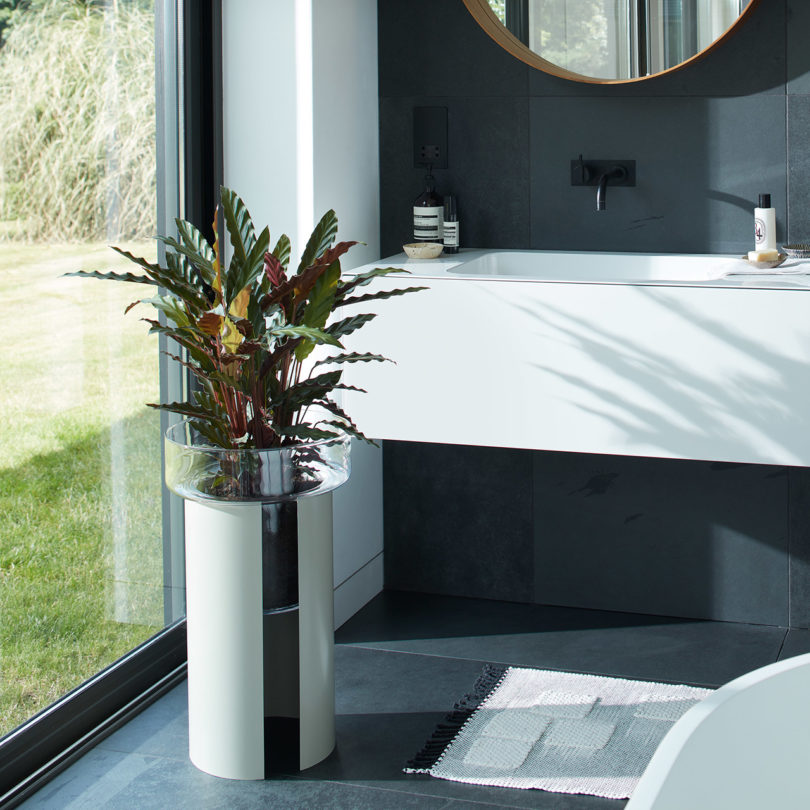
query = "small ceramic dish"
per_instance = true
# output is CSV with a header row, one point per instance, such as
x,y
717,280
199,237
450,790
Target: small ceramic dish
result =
x,y
423,250
797,251
766,265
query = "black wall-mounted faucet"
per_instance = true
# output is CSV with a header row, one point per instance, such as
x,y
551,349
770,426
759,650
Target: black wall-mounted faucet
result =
x,y
599,172
614,174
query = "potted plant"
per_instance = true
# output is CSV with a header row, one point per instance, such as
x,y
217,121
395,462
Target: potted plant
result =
x,y
261,444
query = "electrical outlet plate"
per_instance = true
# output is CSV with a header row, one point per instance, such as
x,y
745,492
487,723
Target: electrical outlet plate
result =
x,y
430,137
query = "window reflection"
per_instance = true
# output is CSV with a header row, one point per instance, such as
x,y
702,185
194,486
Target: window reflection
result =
x,y
617,39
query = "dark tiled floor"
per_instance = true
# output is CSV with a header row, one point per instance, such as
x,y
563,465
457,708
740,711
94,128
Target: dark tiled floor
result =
x,y
401,663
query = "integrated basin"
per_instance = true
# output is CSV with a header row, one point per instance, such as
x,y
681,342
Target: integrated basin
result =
x,y
610,268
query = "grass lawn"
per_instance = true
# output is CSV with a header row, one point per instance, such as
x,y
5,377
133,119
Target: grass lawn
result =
x,y
81,567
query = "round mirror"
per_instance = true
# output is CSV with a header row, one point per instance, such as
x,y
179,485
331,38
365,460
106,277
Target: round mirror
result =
x,y
609,41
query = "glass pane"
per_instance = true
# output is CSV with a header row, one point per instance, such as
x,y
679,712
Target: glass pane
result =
x,y
591,37
81,549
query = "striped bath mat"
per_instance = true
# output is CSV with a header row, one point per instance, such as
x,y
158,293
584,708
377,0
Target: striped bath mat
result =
x,y
556,731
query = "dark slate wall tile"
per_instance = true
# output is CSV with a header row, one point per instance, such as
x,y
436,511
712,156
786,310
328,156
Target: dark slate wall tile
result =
x,y
799,547
700,164
798,53
488,159
435,48
675,538
799,167
458,520
797,642
707,139
752,60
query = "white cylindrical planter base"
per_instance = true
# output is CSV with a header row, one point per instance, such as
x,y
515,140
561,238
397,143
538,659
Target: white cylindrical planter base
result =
x,y
226,637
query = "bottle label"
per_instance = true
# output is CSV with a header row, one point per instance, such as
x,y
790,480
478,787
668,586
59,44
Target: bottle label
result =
x,y
450,234
760,232
427,223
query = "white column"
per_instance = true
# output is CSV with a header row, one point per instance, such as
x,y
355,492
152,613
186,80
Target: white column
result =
x,y
301,137
316,638
224,626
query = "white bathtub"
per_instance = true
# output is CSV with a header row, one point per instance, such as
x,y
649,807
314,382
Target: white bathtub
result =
x,y
631,354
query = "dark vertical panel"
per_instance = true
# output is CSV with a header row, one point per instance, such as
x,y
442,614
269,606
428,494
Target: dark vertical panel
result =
x,y
642,39
798,54
458,520
202,119
798,147
799,547
517,19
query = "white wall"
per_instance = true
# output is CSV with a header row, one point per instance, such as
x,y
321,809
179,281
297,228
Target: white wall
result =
x,y
346,143
301,137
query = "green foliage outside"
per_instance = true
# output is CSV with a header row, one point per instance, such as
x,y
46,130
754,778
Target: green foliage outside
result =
x,y
77,145
499,7
577,42
81,566
72,599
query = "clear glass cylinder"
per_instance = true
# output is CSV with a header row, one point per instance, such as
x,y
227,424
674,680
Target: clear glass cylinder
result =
x,y
195,469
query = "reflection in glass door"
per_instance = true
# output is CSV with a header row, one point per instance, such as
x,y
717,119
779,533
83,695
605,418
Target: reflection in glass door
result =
x,y
81,548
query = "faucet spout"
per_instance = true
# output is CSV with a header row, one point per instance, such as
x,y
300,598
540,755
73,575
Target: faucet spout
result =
x,y
614,173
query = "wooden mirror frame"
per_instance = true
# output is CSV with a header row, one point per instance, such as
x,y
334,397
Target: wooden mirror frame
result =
x,y
486,18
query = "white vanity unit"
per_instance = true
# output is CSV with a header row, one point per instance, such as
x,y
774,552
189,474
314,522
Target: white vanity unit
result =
x,y
672,356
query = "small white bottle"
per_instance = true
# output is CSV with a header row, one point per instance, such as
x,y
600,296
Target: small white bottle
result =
x,y
450,234
764,224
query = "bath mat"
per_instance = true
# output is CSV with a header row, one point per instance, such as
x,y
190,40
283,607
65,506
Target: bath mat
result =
x,y
557,731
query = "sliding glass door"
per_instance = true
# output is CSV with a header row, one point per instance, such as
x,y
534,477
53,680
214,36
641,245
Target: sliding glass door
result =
x,y
80,490
95,99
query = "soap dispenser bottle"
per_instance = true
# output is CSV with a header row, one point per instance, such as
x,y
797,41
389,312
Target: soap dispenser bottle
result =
x,y
765,224
428,213
450,228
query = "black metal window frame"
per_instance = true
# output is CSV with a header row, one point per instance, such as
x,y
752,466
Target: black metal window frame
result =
x,y
52,739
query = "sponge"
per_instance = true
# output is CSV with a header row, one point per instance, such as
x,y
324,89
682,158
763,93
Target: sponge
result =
x,y
763,256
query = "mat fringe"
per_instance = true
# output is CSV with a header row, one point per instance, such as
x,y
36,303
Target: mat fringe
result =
x,y
489,680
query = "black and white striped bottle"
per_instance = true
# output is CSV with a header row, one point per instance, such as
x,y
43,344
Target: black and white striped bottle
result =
x,y
428,214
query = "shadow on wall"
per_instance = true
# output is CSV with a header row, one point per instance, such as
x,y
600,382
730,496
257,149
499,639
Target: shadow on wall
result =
x,y
683,409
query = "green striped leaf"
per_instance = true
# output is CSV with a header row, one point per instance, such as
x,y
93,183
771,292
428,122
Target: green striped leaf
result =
x,y
322,238
377,296
348,325
308,333
238,223
352,357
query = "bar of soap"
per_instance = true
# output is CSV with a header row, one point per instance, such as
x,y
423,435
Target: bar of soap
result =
x,y
763,255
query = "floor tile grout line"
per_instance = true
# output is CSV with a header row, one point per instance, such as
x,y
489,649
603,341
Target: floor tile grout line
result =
x,y
284,777
782,645
419,793
482,661
125,752
378,788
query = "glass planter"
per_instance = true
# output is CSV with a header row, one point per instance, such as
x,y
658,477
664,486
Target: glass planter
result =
x,y
275,477
200,472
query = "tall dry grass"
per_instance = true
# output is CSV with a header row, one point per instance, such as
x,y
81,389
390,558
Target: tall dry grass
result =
x,y
77,123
